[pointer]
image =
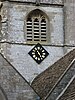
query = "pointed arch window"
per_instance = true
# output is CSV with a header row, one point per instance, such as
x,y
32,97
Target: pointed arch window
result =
x,y
37,27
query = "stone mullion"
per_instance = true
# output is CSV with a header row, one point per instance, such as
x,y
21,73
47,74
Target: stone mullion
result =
x,y
47,36
40,29
32,29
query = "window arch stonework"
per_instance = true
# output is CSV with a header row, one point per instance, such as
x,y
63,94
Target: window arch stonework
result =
x,y
37,27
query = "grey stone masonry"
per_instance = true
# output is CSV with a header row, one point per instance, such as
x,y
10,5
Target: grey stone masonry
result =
x,y
13,39
60,15
13,84
69,18
43,1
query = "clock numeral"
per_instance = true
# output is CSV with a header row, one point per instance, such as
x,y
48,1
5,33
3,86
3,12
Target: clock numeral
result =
x,y
33,53
38,58
43,53
35,48
34,56
38,48
43,56
43,50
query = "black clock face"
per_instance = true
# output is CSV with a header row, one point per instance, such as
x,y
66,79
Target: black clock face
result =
x,y
38,53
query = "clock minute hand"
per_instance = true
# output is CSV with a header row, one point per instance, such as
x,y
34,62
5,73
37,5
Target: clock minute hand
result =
x,y
38,53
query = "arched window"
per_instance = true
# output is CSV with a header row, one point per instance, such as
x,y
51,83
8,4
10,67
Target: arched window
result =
x,y
37,27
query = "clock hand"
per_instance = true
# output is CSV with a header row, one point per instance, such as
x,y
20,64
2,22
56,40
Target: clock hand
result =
x,y
38,53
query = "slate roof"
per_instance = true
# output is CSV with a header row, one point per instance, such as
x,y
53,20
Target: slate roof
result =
x,y
45,82
63,83
69,94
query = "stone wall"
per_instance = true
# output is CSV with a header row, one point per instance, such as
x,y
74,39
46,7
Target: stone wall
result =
x,y
14,85
59,2
69,13
2,95
13,42
12,38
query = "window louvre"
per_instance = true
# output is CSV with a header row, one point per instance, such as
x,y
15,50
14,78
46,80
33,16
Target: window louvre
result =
x,y
36,27
43,30
36,30
29,29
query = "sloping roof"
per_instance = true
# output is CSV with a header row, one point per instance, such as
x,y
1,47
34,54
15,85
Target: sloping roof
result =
x,y
44,82
69,94
63,83
13,84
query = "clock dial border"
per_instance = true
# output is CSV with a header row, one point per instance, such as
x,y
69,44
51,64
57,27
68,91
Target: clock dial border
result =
x,y
38,53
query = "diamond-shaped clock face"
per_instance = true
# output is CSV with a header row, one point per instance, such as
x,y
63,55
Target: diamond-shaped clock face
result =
x,y
38,53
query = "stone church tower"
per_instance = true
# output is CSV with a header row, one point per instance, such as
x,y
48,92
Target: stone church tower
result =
x,y
37,49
